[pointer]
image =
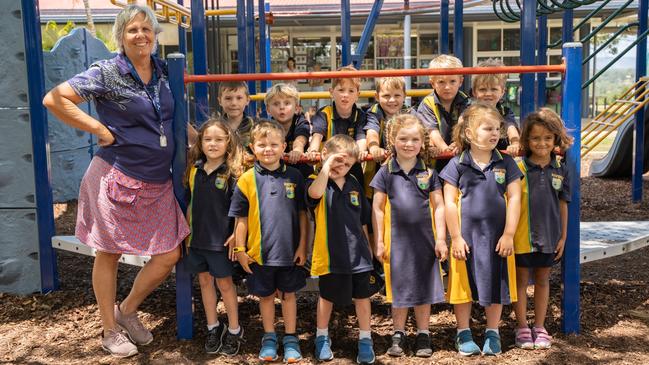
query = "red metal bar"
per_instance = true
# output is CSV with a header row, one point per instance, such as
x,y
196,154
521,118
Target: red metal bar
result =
x,y
376,73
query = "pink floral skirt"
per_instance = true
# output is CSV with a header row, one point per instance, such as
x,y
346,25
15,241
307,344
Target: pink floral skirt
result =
x,y
121,214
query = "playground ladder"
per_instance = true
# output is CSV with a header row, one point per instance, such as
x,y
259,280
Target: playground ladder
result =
x,y
620,111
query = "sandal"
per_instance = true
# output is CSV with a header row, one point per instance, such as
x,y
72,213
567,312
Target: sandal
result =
x,y
542,340
524,338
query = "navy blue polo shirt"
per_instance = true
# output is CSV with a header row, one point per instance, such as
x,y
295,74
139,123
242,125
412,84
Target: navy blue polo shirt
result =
x,y
209,202
375,120
299,127
434,116
328,123
271,201
340,245
539,227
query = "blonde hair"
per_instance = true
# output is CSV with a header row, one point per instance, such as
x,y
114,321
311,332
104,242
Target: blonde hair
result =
x,y
265,128
382,83
472,118
549,120
445,61
233,153
400,121
341,143
126,16
489,79
355,80
233,86
285,90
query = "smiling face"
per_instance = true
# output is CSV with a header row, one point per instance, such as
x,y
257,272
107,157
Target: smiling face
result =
x,y
214,144
139,38
391,100
541,142
408,142
234,102
282,108
269,150
488,93
345,95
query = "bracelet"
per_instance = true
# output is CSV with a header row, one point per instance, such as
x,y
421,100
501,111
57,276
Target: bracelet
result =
x,y
239,249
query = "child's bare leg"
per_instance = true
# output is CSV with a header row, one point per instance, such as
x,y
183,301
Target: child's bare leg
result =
x,y
229,294
323,314
520,307
363,313
541,294
208,295
267,310
422,316
494,312
462,314
399,317
289,312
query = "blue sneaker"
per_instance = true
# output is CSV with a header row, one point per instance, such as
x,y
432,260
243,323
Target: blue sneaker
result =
x,y
268,350
323,348
465,345
365,351
292,352
491,343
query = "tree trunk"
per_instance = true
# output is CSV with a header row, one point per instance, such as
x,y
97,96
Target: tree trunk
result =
x,y
89,21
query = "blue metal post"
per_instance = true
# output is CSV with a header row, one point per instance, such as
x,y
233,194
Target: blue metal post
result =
x,y
443,27
183,278
199,48
367,34
571,115
345,32
40,145
567,26
263,55
182,35
458,31
542,59
528,45
241,37
250,34
640,71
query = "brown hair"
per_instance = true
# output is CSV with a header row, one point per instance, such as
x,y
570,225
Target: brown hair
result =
x,y
400,121
398,83
233,153
264,128
233,86
355,80
472,117
549,120
489,79
342,143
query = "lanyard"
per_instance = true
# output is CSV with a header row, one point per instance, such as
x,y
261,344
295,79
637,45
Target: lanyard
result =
x,y
152,92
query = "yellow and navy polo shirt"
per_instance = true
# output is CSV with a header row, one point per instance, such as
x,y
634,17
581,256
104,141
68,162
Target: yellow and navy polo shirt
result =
x,y
328,123
434,116
271,201
539,227
340,245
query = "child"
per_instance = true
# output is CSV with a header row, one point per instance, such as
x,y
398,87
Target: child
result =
x,y
270,212
341,253
410,231
542,229
214,164
281,102
489,89
441,109
234,98
342,117
482,193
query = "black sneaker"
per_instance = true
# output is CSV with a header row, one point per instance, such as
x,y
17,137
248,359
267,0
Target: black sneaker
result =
x,y
423,347
214,339
232,343
398,344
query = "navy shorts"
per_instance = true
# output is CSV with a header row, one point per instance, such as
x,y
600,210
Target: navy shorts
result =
x,y
265,280
340,289
535,259
216,263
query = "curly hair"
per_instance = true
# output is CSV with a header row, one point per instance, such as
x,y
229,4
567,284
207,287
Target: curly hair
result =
x,y
400,121
472,117
549,120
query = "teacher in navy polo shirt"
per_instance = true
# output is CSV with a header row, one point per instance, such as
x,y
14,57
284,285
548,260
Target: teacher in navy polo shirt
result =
x,y
126,200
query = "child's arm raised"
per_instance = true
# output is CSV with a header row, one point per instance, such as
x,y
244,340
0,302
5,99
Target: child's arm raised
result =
x,y
437,201
459,247
505,246
319,185
378,214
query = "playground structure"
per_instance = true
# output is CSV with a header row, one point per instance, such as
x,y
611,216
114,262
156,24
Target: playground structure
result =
x,y
571,113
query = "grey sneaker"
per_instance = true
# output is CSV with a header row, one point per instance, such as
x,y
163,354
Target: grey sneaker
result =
x,y
133,327
117,344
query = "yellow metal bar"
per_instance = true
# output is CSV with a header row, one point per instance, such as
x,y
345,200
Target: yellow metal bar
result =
x,y
217,12
171,12
326,95
610,110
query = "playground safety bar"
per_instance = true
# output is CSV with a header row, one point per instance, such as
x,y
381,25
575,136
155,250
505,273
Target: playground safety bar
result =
x,y
375,73
327,95
164,10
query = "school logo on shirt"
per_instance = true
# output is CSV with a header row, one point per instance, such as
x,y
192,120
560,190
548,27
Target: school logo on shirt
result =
x,y
557,181
353,198
220,182
423,180
290,190
500,175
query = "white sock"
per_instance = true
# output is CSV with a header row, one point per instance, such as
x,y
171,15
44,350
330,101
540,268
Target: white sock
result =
x,y
234,331
493,329
213,326
426,332
400,330
322,332
462,329
364,334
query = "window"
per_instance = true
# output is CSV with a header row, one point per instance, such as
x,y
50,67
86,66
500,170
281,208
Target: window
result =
x,y
489,40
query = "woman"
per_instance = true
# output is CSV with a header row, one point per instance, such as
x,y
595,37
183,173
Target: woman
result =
x,y
126,200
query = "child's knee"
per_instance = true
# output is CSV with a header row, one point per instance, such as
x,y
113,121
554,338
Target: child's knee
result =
x,y
225,284
205,279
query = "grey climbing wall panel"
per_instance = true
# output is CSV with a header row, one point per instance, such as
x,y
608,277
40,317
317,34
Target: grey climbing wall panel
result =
x,y
19,266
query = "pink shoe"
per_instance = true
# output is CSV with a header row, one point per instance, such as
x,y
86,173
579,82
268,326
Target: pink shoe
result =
x,y
542,340
524,338
131,324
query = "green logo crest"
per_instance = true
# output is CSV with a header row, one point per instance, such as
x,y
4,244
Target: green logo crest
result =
x,y
499,174
290,190
353,198
220,182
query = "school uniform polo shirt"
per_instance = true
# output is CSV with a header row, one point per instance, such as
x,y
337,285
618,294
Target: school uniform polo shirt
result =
x,y
434,116
340,245
271,201
299,127
375,120
243,131
209,203
539,227
328,123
